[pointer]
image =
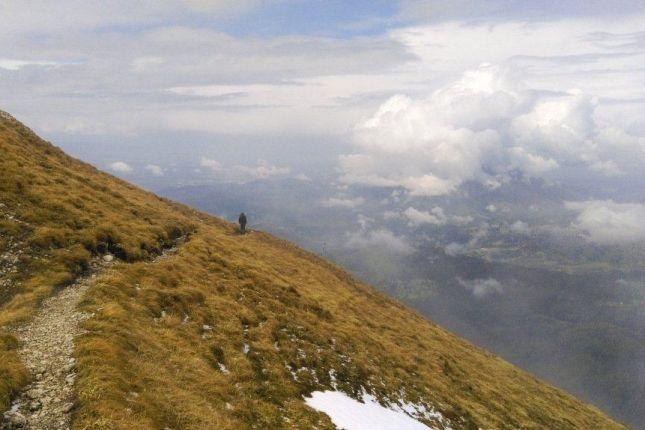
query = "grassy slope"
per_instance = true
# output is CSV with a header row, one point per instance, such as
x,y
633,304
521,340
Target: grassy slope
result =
x,y
147,361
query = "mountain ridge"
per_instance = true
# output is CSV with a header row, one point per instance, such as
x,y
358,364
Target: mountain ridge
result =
x,y
229,331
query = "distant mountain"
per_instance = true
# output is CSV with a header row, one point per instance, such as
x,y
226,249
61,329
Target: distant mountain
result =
x,y
186,324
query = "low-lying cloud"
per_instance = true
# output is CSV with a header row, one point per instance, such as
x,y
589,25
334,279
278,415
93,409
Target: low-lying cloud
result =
x,y
242,173
343,202
382,239
154,170
609,223
120,167
482,287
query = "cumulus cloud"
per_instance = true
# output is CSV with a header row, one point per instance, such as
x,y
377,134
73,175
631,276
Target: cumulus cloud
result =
x,y
607,222
416,217
481,128
482,287
349,203
154,169
120,167
382,239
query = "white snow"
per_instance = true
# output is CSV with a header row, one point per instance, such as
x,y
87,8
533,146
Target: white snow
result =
x,y
350,414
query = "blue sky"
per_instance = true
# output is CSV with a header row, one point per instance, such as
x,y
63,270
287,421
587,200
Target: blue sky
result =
x,y
333,18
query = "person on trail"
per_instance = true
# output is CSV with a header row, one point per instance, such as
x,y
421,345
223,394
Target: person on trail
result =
x,y
242,220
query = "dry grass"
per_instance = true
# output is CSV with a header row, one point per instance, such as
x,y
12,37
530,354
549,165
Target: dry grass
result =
x,y
147,362
56,214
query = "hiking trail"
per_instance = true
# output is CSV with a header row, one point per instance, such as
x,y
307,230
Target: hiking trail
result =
x,y
47,351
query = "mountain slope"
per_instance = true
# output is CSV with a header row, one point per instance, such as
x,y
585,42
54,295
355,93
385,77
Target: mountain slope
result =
x,y
228,331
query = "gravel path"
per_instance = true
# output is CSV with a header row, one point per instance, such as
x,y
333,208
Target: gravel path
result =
x,y
47,352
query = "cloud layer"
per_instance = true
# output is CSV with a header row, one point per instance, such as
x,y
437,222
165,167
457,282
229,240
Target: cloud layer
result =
x,y
609,223
483,127
482,287
244,173
380,239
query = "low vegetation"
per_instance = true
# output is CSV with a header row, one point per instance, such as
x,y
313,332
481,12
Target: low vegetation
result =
x,y
228,331
57,213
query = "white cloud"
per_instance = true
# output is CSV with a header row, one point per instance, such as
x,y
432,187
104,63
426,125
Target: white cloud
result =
x,y
10,64
224,7
482,127
263,170
349,203
380,239
482,287
68,15
175,71
210,163
607,222
243,173
424,116
435,216
364,221
120,167
154,169
416,217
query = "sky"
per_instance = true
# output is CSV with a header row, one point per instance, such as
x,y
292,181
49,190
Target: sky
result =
x,y
419,95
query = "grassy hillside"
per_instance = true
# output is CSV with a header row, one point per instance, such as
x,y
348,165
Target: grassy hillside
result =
x,y
229,331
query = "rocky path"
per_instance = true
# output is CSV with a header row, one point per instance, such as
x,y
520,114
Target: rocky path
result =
x,y
47,352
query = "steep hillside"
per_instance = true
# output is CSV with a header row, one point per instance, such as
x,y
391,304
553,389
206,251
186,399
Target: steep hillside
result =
x,y
226,331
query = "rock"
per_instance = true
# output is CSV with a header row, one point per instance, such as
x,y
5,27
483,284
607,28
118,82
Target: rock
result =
x,y
67,407
35,393
17,420
108,258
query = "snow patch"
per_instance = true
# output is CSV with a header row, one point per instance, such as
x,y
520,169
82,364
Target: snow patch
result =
x,y
350,414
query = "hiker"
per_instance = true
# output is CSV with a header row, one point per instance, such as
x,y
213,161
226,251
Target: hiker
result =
x,y
242,220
